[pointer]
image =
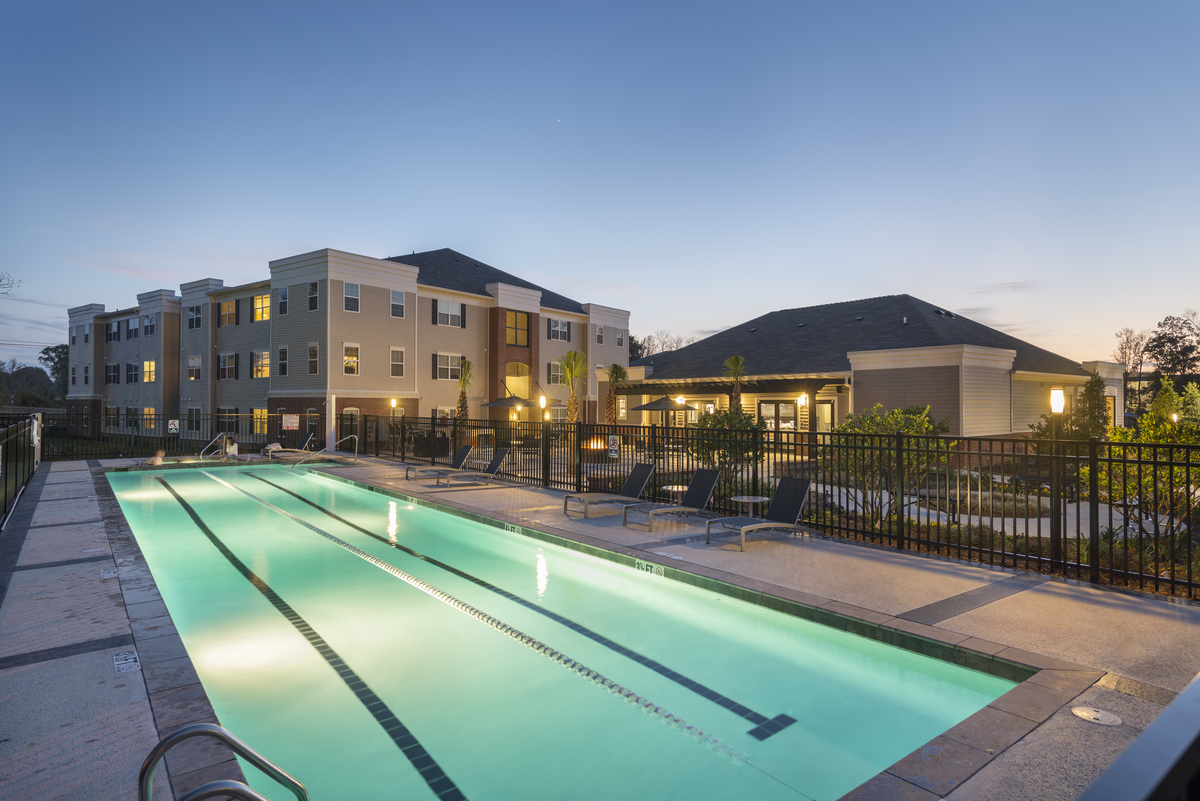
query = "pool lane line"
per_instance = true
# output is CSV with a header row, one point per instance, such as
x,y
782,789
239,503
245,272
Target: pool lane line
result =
x,y
658,713
441,784
764,726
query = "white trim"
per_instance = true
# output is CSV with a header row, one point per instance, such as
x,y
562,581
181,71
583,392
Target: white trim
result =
x,y
936,356
516,298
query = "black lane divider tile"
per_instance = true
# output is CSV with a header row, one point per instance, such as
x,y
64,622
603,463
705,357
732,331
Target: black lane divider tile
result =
x,y
64,525
758,719
964,602
66,562
63,651
441,784
682,540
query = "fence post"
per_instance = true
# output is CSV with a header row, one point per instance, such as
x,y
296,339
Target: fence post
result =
x,y
545,452
757,457
403,441
1094,508
1056,501
578,457
898,489
433,438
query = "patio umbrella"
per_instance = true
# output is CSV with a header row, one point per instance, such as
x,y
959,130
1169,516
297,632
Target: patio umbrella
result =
x,y
664,405
511,402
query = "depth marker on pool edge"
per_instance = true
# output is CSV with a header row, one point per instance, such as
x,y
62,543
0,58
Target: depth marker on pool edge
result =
x,y
712,743
441,784
764,727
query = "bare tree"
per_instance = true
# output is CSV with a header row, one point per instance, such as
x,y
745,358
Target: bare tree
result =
x,y
1131,346
662,341
8,283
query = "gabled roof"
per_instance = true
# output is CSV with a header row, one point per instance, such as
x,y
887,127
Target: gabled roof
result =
x,y
449,269
816,339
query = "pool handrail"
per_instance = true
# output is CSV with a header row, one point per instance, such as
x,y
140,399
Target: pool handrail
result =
x,y
334,445
146,775
223,788
220,436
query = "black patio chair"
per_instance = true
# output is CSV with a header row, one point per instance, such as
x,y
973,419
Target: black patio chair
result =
x,y
784,512
693,503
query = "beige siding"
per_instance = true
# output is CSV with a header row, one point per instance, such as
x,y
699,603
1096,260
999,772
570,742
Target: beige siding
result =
x,y
551,350
1031,399
607,353
195,342
935,387
469,342
985,401
294,331
243,393
376,332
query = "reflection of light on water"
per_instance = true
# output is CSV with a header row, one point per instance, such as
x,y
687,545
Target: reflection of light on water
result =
x,y
255,652
392,521
543,574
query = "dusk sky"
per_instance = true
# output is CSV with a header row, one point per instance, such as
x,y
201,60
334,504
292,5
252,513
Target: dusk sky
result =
x,y
1034,166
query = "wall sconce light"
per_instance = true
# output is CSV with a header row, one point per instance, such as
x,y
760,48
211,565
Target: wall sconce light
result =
x,y
803,399
393,403
542,401
1057,401
1174,417
679,399
547,416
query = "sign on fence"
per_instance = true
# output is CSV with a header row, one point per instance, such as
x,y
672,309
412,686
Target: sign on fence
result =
x,y
291,422
172,426
614,446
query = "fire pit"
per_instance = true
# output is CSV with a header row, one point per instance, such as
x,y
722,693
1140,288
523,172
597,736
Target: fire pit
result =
x,y
594,450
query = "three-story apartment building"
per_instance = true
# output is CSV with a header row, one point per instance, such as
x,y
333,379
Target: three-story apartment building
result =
x,y
332,333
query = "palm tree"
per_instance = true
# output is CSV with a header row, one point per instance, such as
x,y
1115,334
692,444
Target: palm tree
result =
x,y
464,383
735,368
616,376
574,368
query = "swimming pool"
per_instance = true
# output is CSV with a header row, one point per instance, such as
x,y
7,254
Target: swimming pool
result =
x,y
364,642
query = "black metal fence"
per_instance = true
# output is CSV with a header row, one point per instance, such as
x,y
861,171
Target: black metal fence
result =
x,y
1125,514
139,435
17,455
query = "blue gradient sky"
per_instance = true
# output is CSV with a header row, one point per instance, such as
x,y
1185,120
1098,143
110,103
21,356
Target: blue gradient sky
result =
x,y
1032,165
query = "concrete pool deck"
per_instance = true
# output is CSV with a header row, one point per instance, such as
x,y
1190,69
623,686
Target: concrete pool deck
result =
x,y
71,721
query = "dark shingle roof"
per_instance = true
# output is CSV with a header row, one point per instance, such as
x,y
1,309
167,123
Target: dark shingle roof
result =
x,y
449,269
816,339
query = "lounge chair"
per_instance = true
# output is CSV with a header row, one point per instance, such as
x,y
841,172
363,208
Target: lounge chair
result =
x,y
698,494
488,473
412,470
783,513
631,490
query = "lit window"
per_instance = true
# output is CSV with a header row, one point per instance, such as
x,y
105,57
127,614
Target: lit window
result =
x,y
283,300
148,372
518,328
313,296
228,313
260,364
397,303
397,363
259,420
350,297
449,314
558,414
621,407
313,356
281,364
195,317
350,359
449,367
148,418
262,308
193,368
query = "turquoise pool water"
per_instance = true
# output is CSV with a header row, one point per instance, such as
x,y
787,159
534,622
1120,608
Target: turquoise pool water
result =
x,y
377,649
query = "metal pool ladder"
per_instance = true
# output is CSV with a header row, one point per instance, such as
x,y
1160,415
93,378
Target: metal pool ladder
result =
x,y
334,445
220,787
218,437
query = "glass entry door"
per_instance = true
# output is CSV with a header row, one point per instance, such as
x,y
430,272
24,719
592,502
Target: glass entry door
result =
x,y
780,419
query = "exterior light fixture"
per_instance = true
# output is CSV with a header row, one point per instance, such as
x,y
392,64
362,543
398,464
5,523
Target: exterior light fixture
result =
x,y
542,401
1057,401
393,403
1174,417
547,416
803,399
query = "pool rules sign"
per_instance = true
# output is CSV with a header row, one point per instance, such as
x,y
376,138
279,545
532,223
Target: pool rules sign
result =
x,y
291,422
614,446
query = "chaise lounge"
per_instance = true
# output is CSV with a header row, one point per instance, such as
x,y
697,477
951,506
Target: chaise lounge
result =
x,y
694,501
631,491
784,512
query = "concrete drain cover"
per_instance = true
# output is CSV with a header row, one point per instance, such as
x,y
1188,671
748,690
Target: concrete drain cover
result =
x,y
1093,715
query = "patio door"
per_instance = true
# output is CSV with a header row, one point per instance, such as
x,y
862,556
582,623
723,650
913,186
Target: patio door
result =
x,y
780,420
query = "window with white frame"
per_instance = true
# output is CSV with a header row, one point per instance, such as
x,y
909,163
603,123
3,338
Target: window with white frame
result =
x,y
397,361
112,418
258,421
313,296
620,337
148,372
558,414
112,374
449,314
132,326
132,373
193,368
558,329
87,333
73,329
397,303
193,418
85,373
195,317
314,356
350,359
226,366
281,363
148,418
131,418
148,321
622,407
228,313
72,375
262,308
350,297
449,366
260,364
555,374
599,335
112,331
517,328
282,300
